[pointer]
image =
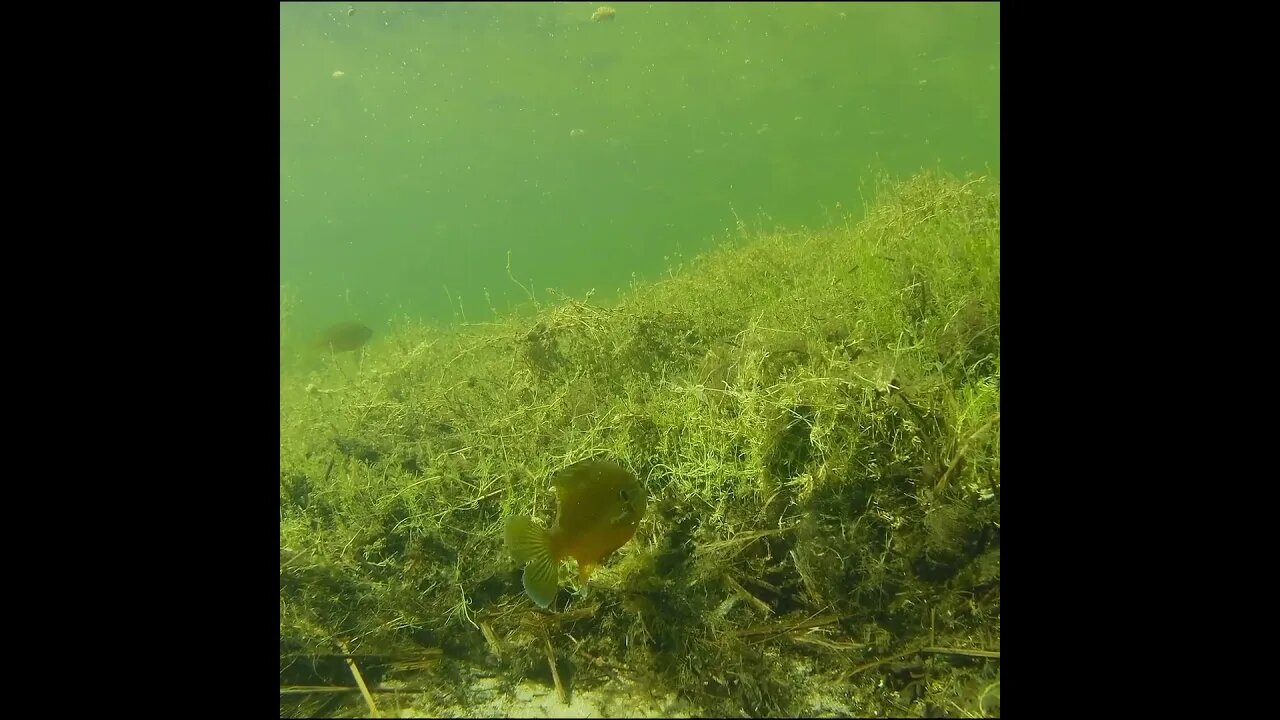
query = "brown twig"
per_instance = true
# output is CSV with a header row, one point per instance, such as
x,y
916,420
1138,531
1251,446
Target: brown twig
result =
x,y
364,689
555,672
877,663
995,654
739,539
830,644
307,689
744,594
777,629
964,447
962,651
491,639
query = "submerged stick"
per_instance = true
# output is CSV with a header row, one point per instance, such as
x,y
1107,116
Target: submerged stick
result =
x,y
555,673
492,640
962,651
310,689
364,689
779,629
964,447
742,592
994,654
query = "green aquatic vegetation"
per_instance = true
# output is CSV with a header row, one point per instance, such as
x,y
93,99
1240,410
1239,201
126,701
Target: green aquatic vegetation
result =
x,y
814,416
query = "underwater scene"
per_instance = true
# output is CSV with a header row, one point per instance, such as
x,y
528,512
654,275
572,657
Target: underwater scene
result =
x,y
639,360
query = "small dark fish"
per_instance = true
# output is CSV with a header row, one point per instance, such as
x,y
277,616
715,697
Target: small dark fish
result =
x,y
599,506
344,337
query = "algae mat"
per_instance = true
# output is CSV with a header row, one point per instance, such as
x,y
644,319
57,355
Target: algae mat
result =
x,y
815,416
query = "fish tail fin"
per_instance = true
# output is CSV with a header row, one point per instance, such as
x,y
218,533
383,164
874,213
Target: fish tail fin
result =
x,y
530,543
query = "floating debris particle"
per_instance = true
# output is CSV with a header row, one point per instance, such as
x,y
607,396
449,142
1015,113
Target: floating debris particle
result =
x,y
576,132
604,13
338,73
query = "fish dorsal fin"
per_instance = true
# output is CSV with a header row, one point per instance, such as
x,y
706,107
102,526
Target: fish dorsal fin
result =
x,y
580,475
575,477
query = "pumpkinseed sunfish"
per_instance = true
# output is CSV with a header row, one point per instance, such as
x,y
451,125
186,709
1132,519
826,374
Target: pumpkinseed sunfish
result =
x,y
599,506
344,337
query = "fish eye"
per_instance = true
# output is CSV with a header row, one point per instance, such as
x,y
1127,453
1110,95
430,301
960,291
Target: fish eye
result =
x,y
626,496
